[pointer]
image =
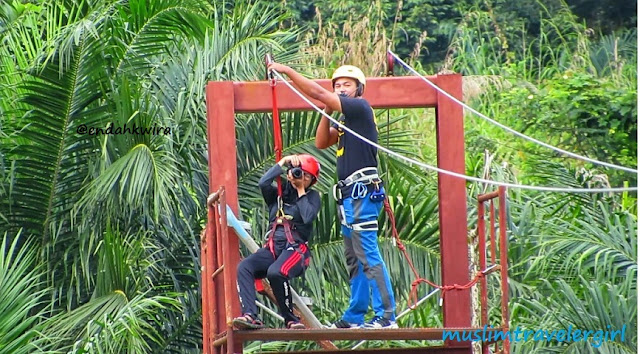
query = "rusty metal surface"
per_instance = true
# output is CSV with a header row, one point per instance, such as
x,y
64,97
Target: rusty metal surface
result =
x,y
487,196
204,273
381,92
352,334
221,138
503,263
482,250
503,266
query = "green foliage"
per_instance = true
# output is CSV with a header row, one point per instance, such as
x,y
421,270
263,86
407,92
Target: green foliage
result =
x,y
596,305
22,295
579,113
116,219
100,63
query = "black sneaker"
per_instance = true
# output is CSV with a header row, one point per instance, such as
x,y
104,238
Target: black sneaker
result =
x,y
380,322
343,324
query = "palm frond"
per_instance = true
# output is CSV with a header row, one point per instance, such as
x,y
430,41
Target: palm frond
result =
x,y
109,324
144,30
21,295
607,250
595,306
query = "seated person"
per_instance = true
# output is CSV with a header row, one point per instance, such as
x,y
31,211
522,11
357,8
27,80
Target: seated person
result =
x,y
286,253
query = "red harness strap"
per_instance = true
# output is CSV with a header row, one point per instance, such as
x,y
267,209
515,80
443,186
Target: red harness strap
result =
x,y
286,224
277,142
413,294
277,132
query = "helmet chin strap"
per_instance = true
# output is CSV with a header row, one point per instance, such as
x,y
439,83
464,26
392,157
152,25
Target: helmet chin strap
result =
x,y
352,95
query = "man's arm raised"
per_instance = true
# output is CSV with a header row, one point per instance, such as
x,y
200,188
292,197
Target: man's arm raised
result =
x,y
325,134
310,87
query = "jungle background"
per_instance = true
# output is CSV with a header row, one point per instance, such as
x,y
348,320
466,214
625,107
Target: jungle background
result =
x,y
101,234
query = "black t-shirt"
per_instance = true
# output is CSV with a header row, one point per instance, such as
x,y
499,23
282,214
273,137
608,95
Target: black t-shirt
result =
x,y
354,154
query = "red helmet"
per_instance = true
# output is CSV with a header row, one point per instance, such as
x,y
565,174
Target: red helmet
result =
x,y
310,165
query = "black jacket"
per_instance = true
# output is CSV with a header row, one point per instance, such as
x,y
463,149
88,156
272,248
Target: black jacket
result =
x,y
304,209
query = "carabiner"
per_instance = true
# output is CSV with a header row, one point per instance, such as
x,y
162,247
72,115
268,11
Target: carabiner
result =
x,y
280,211
359,190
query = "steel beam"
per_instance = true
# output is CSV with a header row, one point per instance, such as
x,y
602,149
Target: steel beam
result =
x,y
452,195
381,92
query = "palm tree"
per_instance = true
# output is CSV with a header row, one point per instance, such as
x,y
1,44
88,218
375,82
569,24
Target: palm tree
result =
x,y
116,217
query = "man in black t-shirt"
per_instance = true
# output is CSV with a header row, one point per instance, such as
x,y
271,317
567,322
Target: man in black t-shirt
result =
x,y
359,192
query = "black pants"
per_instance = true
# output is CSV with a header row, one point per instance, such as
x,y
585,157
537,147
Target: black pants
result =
x,y
288,264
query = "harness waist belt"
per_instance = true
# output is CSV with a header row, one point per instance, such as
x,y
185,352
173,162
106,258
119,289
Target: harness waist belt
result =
x,y
364,174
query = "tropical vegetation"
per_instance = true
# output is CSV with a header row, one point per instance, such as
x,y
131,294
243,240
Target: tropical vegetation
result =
x,y
101,233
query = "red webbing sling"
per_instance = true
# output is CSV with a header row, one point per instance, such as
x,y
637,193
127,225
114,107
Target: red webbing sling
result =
x,y
281,218
277,129
277,142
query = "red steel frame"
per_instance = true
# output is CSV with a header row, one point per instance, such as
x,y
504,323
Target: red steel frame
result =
x,y
225,99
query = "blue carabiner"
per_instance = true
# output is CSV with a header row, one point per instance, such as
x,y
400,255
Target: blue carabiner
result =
x,y
359,191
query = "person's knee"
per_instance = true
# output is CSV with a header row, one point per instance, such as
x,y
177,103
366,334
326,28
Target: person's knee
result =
x,y
369,244
273,273
375,271
244,267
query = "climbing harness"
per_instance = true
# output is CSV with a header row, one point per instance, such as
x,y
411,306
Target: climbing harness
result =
x,y
289,230
357,186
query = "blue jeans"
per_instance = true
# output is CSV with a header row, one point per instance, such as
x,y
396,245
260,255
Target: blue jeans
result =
x,y
368,274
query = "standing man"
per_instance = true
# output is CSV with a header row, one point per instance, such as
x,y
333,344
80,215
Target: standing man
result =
x,y
359,192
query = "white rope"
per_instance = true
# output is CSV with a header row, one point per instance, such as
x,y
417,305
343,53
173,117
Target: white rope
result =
x,y
269,311
568,153
450,173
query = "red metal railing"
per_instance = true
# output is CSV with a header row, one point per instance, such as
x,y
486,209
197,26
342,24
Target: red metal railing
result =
x,y
215,254
502,266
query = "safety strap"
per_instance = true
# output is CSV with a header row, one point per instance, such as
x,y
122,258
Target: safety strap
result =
x,y
277,129
364,226
286,224
367,174
413,295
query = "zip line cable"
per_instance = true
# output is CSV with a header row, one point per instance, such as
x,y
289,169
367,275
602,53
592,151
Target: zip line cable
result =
x,y
526,137
447,172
